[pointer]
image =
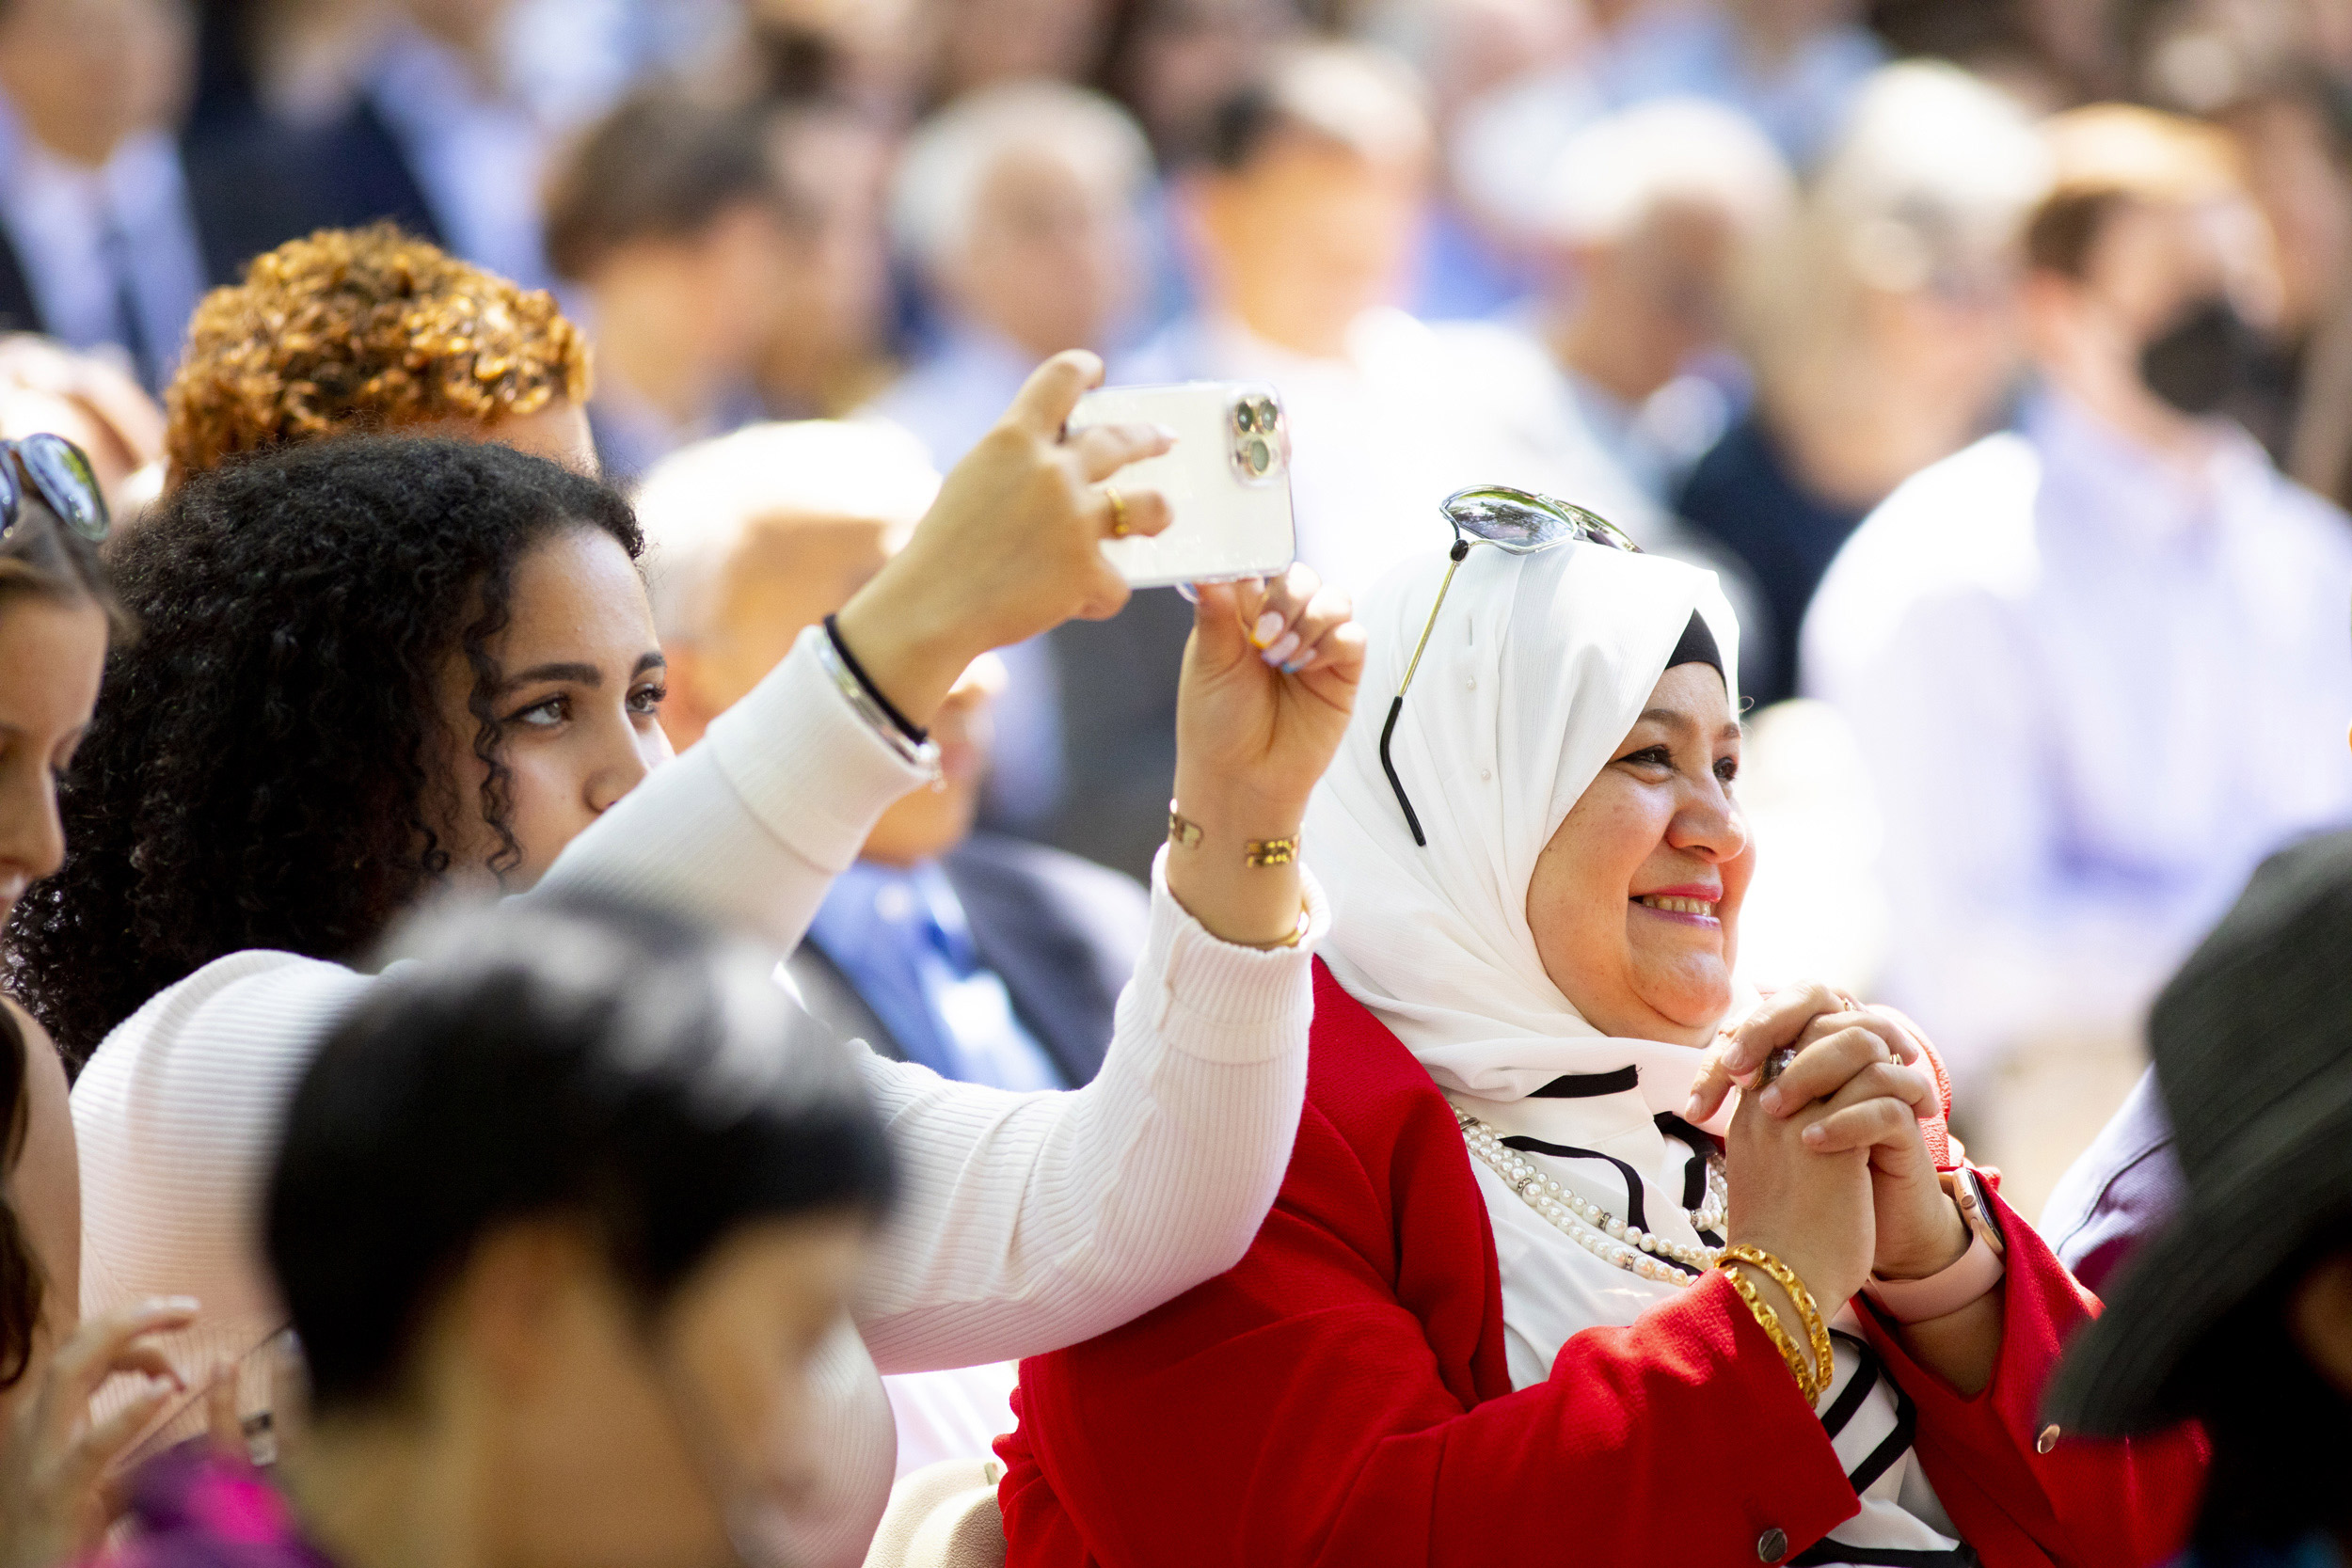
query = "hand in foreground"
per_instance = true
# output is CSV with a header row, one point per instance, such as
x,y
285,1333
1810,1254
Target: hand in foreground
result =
x,y
1859,1083
1269,680
54,1506
1012,545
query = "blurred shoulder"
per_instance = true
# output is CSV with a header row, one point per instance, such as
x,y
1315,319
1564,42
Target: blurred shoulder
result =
x,y
1960,529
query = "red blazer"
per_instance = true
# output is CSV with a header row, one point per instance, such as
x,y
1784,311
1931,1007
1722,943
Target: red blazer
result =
x,y
1340,1397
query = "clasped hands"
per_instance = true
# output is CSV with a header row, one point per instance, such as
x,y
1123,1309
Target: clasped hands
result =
x,y
1829,1169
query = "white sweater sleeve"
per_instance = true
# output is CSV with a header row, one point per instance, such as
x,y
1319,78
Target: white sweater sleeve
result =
x,y
1032,1221
177,1112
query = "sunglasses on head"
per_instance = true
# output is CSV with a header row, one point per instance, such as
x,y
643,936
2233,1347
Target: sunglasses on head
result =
x,y
56,472
1518,522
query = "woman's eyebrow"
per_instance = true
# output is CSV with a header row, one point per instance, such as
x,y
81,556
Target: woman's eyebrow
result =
x,y
577,674
652,659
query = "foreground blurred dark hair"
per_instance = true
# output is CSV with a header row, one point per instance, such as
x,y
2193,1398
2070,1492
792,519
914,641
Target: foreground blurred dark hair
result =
x,y
551,1056
257,775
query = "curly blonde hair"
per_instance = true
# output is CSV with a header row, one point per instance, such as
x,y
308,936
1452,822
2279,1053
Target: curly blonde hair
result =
x,y
362,329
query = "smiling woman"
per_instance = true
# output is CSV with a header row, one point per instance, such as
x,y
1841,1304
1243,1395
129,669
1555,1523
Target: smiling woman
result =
x,y
1609,1314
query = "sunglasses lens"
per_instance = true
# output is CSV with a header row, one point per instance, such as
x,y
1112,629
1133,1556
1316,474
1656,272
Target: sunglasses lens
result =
x,y
67,483
1522,522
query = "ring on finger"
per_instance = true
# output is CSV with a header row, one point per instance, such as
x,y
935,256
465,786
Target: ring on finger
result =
x,y
1119,526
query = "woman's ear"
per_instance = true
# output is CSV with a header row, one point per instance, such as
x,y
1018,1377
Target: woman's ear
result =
x,y
2319,1317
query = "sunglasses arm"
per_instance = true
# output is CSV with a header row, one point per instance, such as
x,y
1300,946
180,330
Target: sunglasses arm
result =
x,y
1396,706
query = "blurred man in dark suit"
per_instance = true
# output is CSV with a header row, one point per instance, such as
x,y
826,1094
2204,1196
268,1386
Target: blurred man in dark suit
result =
x,y
986,959
111,224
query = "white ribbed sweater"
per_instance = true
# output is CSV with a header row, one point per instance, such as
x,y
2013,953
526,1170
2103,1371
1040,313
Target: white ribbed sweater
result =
x,y
1026,1222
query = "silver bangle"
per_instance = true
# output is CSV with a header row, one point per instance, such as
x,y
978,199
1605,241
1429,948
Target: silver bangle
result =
x,y
923,755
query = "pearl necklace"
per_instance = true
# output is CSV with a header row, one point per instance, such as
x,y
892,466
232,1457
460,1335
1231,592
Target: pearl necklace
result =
x,y
1594,1228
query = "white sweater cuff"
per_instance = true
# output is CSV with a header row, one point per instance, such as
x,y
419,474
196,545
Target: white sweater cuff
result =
x,y
806,765
1219,1001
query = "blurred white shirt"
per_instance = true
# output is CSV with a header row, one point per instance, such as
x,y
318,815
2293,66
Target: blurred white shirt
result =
x,y
2094,690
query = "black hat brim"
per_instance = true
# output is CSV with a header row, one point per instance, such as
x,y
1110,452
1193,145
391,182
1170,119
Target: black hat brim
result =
x,y
2233,1234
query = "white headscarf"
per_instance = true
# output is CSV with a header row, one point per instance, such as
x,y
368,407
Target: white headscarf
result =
x,y
1537,668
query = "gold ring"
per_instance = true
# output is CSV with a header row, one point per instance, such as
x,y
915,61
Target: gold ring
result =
x,y
1118,512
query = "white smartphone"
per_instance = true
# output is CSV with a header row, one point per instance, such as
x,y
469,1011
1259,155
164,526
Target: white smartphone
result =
x,y
1227,479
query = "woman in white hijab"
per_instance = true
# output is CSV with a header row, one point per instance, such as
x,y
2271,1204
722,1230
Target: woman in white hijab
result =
x,y
1492,1312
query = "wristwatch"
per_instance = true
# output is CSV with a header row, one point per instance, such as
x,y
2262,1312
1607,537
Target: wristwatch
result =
x,y
1967,1278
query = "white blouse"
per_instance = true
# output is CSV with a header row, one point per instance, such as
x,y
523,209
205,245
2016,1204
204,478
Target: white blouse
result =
x,y
1026,1222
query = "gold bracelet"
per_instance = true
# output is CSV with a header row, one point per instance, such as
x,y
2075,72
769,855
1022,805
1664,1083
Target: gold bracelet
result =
x,y
1769,1321
1298,933
1183,832
1270,851
1815,1326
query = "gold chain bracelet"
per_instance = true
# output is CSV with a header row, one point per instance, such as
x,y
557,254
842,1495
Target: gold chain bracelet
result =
x,y
1811,1381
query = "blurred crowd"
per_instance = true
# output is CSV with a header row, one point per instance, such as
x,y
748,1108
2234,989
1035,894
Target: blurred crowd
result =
x,y
1996,353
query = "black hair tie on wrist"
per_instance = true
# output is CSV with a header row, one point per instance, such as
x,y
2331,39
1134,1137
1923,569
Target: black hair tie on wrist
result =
x,y
849,660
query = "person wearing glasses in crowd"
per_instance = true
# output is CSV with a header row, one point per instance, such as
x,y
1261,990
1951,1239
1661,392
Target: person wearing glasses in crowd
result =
x,y
56,615
374,669
1537,1289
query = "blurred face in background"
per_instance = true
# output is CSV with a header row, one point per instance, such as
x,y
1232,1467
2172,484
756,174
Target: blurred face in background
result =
x,y
85,73
1050,254
2150,268
1308,235
2294,174
1949,329
1649,302
830,285
1183,58
787,571
986,41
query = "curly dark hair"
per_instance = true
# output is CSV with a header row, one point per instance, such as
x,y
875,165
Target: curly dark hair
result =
x,y
261,772
362,329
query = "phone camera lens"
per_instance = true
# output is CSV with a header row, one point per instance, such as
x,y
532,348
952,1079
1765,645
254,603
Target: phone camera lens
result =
x,y
1258,455
1245,416
1264,409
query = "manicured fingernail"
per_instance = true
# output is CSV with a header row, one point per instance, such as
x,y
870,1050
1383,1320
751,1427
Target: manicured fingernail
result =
x,y
1770,1098
1281,650
1166,433
1691,1109
1295,665
1815,1135
1269,627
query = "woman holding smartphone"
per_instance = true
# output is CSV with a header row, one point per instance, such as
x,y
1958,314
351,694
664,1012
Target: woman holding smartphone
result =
x,y
377,669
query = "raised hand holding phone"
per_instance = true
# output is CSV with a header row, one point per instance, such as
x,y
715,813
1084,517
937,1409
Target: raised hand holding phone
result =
x,y
1011,547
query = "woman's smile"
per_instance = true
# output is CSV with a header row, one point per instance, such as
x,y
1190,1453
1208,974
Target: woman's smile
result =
x,y
1686,906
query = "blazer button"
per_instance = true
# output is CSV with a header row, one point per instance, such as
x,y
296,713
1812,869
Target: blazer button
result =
x,y
2047,1441
1772,1546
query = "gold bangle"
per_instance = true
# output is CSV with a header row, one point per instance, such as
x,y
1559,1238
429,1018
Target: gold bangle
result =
x,y
1769,1321
1298,933
1270,851
1183,832
1815,1326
